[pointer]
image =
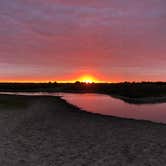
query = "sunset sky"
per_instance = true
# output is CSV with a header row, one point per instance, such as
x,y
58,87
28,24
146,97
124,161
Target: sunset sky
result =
x,y
65,40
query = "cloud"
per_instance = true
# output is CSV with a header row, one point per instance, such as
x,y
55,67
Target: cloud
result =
x,y
74,35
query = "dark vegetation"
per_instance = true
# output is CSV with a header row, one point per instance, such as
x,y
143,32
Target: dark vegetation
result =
x,y
125,89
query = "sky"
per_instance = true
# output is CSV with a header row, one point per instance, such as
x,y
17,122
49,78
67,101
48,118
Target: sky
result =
x,y
63,40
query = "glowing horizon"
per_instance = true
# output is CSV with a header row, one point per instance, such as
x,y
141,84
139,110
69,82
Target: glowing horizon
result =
x,y
62,40
82,78
85,78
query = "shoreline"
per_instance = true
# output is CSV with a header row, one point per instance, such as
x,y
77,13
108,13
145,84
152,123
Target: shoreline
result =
x,y
140,100
93,113
111,116
50,131
76,108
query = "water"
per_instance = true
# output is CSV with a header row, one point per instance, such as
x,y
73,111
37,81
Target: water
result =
x,y
107,105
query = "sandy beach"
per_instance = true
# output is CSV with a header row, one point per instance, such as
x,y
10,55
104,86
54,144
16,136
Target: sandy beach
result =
x,y
47,131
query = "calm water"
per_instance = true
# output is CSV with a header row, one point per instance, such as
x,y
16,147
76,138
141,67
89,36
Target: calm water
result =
x,y
107,105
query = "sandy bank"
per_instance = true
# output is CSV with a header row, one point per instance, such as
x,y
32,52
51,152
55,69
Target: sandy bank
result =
x,y
46,131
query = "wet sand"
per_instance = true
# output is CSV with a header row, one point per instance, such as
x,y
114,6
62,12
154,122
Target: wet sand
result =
x,y
47,131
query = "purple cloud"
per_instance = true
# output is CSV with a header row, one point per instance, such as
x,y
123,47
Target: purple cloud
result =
x,y
117,38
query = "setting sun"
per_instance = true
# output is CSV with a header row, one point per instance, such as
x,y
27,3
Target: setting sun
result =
x,y
87,79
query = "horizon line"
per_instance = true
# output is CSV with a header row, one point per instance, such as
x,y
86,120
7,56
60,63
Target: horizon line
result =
x,y
95,82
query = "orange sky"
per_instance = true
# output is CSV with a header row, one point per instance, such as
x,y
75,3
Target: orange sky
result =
x,y
64,40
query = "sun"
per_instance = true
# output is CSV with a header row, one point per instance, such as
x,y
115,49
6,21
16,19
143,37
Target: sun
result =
x,y
87,79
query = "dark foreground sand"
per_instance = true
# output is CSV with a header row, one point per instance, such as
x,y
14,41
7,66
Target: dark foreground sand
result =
x,y
49,132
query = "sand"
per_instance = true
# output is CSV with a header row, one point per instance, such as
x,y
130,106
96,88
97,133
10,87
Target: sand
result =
x,y
49,132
